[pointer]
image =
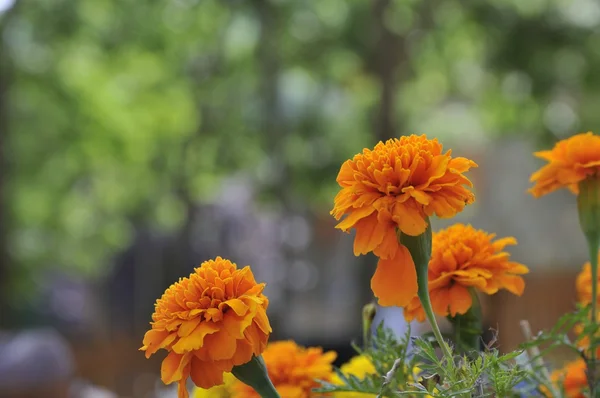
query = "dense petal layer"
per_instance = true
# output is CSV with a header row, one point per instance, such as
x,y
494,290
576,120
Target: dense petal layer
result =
x,y
464,258
404,179
570,161
209,322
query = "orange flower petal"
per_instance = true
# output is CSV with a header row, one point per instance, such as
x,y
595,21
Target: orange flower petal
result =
x,y
220,345
196,339
389,244
460,300
353,217
409,218
172,367
206,374
395,279
369,235
157,339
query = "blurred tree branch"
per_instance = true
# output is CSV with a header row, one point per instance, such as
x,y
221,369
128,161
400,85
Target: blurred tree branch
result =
x,y
5,258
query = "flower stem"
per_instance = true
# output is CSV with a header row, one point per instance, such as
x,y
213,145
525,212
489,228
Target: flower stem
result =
x,y
426,303
254,373
420,251
593,242
588,206
467,327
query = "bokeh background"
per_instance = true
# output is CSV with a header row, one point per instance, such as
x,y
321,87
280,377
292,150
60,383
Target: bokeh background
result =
x,y
139,138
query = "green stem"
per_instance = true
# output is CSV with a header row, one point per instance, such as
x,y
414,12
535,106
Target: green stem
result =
x,y
467,327
588,206
368,314
593,242
420,251
423,294
254,373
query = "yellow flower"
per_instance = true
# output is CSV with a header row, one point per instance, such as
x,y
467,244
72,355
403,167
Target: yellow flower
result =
x,y
584,284
222,391
396,186
463,257
359,366
293,370
210,322
571,378
571,161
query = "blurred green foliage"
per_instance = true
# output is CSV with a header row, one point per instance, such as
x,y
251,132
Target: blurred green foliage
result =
x,y
122,113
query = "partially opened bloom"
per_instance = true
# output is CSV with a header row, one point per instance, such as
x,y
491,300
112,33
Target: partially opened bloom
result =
x,y
584,284
394,188
293,370
571,161
571,378
210,322
463,257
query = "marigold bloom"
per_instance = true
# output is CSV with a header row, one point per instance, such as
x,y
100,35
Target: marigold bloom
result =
x,y
293,370
359,366
223,391
584,284
210,322
571,378
464,257
570,162
394,187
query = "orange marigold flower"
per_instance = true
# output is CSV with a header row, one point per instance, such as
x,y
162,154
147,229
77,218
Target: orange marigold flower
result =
x,y
572,378
293,370
584,284
570,162
394,187
464,257
210,322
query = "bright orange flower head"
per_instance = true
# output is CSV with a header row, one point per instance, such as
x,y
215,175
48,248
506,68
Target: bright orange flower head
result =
x,y
584,284
293,370
571,378
464,257
393,187
570,162
209,322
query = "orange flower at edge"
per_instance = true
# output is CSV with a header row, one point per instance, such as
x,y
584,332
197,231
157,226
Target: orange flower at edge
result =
x,y
209,322
570,161
292,369
584,284
396,186
463,257
572,378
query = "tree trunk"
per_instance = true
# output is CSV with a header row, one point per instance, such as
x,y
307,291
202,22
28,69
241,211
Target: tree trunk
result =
x,y
4,221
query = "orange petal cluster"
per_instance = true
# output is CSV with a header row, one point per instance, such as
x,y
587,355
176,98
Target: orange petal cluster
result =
x,y
209,322
584,284
463,257
570,161
571,378
395,187
293,370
